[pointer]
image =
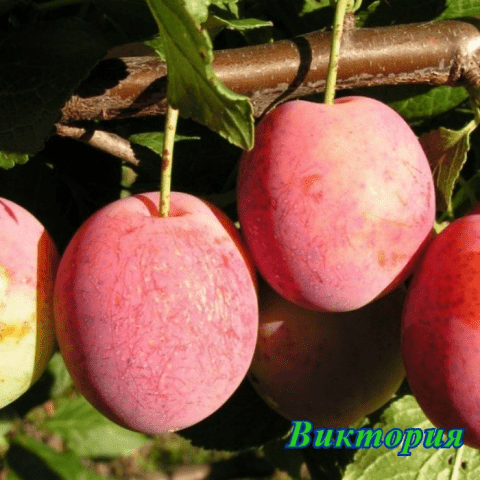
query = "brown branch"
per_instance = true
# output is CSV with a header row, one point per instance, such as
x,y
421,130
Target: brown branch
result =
x,y
433,53
101,140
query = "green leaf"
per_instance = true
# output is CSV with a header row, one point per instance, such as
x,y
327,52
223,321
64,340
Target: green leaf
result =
x,y
310,6
460,8
417,103
230,6
40,66
446,151
226,17
31,459
381,12
198,9
465,197
12,476
9,160
241,24
428,103
225,4
157,44
362,16
192,85
154,140
423,464
61,377
88,433
5,426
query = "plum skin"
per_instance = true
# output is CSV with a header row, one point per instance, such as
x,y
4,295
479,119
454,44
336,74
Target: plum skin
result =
x,y
441,329
28,264
156,318
329,368
335,202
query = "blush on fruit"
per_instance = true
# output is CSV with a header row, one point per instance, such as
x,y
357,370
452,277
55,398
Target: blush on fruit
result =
x,y
28,264
156,318
328,368
335,201
441,329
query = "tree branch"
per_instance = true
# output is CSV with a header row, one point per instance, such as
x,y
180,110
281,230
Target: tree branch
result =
x,y
101,140
433,53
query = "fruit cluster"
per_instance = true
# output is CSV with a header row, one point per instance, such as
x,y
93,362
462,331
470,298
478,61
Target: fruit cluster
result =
x,y
335,222
159,319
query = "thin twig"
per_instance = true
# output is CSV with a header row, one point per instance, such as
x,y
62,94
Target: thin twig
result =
x,y
101,140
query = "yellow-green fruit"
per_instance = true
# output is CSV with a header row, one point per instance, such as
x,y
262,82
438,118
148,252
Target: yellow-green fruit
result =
x,y
28,263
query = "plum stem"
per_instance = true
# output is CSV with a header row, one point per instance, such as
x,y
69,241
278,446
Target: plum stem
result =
x,y
338,22
171,121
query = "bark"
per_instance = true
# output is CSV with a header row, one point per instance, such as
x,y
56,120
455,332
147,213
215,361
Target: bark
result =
x,y
432,53
105,141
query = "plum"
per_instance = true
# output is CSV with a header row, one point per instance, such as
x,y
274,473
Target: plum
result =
x,y
156,318
28,264
328,368
441,329
335,202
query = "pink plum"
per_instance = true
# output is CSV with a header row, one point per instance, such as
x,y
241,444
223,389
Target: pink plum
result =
x,y
328,368
28,263
441,329
335,202
156,318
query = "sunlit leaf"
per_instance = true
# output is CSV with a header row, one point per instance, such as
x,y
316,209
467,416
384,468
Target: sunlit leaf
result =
x,y
460,8
422,464
446,151
9,160
89,433
192,85
419,104
154,140
30,459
